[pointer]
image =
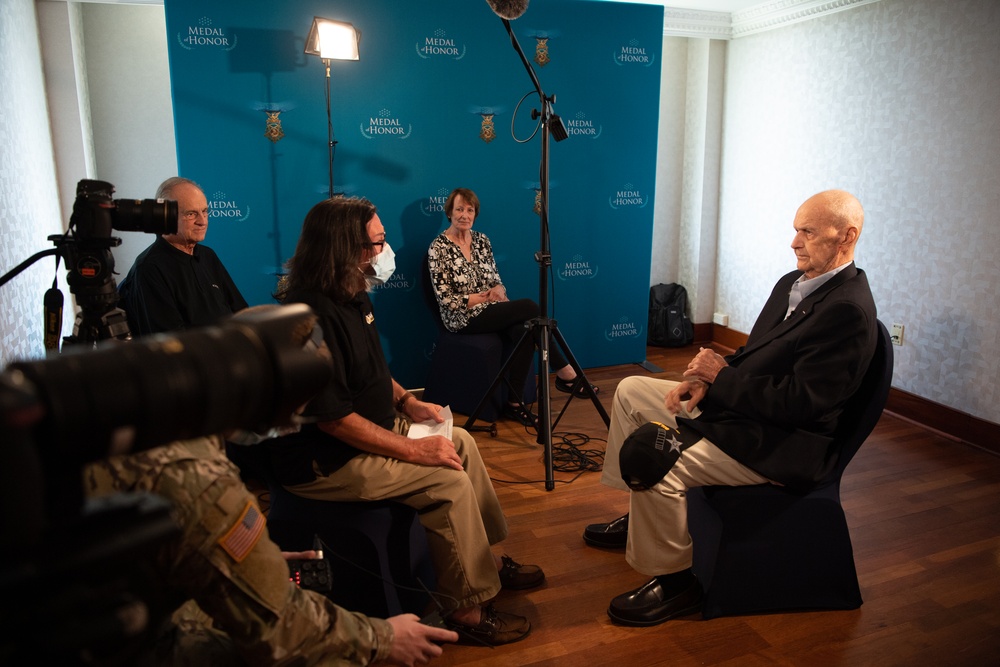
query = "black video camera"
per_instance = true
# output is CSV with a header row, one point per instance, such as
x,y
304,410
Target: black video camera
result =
x,y
95,213
71,570
86,248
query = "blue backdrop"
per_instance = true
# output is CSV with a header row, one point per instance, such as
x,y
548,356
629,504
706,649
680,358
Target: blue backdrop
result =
x,y
428,108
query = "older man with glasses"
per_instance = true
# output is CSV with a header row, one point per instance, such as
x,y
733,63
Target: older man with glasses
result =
x,y
178,282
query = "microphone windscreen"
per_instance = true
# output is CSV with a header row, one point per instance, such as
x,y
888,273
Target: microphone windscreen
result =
x,y
508,9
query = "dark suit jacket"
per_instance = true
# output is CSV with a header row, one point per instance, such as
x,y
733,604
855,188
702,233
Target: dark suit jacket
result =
x,y
775,407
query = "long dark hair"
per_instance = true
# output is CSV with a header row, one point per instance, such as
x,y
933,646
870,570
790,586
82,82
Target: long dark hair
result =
x,y
334,236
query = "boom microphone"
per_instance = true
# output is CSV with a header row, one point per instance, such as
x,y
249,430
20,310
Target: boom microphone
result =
x,y
508,9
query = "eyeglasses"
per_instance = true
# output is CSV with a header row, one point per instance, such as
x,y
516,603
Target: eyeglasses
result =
x,y
377,244
191,216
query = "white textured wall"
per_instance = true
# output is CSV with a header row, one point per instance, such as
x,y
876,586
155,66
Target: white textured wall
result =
x,y
686,215
899,102
29,198
131,109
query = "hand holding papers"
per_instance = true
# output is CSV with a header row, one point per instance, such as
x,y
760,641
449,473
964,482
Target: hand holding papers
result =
x,y
431,427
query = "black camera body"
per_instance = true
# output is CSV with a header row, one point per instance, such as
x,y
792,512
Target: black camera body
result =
x,y
78,575
96,214
86,247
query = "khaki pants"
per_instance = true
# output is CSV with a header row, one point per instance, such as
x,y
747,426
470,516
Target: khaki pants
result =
x,y
459,510
658,539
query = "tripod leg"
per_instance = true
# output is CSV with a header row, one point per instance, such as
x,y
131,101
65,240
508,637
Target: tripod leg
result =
x,y
545,401
580,375
501,376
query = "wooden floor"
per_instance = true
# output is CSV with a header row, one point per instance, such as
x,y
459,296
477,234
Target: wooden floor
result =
x,y
924,514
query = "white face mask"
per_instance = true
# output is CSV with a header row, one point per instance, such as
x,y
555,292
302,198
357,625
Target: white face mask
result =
x,y
383,264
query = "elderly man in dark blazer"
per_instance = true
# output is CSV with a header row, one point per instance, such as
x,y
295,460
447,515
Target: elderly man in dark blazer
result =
x,y
765,414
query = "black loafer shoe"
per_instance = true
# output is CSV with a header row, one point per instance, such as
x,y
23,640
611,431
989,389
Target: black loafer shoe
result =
x,y
652,604
611,535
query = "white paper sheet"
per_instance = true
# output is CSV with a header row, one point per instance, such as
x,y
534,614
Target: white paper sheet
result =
x,y
431,427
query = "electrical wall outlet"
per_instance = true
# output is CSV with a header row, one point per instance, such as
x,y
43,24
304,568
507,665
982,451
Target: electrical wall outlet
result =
x,y
896,334
721,319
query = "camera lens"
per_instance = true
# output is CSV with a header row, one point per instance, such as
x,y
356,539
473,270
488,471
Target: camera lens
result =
x,y
128,396
154,216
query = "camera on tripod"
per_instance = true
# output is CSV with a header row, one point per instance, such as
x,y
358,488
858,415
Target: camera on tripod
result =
x,y
86,247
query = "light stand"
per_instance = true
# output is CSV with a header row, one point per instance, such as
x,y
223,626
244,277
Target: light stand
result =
x,y
543,328
332,40
331,142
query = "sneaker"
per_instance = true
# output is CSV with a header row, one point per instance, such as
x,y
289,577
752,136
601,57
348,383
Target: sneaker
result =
x,y
495,628
517,577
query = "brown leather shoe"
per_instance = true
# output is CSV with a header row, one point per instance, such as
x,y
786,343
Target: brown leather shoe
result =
x,y
517,577
495,628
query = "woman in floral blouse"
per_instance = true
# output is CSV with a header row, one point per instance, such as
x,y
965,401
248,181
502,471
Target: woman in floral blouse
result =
x,y
472,298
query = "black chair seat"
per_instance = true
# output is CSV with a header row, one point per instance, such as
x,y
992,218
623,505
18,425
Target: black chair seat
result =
x,y
463,366
377,551
764,548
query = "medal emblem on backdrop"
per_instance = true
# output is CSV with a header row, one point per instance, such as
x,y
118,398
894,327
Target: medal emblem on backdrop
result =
x,y
542,38
487,130
272,127
542,51
272,111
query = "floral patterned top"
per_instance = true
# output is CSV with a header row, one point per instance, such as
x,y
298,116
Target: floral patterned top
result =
x,y
454,277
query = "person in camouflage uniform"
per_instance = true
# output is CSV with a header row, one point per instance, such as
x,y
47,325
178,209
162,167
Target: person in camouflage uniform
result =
x,y
225,562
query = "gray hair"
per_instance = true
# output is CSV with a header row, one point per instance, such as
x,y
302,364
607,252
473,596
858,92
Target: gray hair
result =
x,y
166,188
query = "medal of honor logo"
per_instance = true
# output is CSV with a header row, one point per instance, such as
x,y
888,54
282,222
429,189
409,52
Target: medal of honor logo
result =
x,y
633,54
385,125
222,207
434,205
624,328
581,126
578,267
204,35
627,197
440,46
398,281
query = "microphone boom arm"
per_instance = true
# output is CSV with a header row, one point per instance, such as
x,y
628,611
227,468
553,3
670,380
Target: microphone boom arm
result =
x,y
524,59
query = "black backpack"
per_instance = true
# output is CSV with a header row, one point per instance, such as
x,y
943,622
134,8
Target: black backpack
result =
x,y
669,325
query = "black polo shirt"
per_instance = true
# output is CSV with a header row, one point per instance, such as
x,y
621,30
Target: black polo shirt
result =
x,y
361,383
168,290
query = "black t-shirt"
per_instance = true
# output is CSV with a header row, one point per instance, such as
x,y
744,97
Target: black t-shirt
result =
x,y
167,290
361,383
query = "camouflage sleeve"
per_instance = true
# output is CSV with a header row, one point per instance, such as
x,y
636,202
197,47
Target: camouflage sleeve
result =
x,y
227,563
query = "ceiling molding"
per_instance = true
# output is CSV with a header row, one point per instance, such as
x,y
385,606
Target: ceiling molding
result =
x,y
696,23
768,15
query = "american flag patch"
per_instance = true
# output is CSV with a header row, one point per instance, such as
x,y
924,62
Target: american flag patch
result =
x,y
244,534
